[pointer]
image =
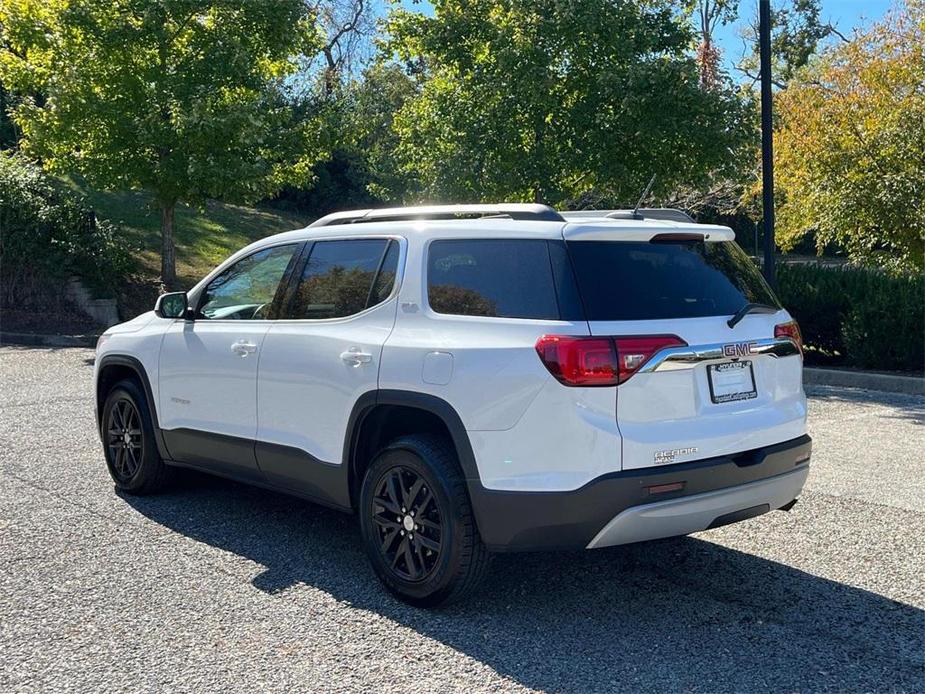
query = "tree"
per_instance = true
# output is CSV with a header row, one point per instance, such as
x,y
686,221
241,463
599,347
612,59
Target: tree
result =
x,y
850,154
708,15
179,97
797,31
546,101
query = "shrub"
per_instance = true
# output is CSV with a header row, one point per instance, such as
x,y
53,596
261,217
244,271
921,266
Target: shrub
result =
x,y
871,319
47,234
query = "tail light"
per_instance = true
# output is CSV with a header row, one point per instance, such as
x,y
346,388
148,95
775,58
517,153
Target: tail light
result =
x,y
790,330
599,361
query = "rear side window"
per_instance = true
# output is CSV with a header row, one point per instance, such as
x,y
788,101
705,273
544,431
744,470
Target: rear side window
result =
x,y
629,280
495,278
342,278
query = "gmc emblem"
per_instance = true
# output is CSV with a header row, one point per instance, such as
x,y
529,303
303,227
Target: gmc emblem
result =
x,y
739,349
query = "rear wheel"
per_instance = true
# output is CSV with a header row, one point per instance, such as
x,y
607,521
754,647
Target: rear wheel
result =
x,y
417,523
128,441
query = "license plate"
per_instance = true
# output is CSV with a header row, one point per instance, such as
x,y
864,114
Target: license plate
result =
x,y
730,381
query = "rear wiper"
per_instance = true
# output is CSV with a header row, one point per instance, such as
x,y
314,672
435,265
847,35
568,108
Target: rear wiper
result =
x,y
750,308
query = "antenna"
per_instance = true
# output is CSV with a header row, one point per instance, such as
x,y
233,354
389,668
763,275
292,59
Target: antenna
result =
x,y
642,199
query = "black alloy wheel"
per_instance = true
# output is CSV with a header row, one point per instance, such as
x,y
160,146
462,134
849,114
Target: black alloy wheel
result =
x,y
410,524
125,439
417,522
127,431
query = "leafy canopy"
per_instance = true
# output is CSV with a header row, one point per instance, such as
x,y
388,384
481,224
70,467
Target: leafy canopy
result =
x,y
180,97
850,150
550,100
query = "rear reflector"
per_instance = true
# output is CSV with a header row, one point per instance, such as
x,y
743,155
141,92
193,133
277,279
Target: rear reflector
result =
x,y
791,330
665,488
599,361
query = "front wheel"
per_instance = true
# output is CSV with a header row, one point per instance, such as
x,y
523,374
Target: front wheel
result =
x,y
128,441
417,523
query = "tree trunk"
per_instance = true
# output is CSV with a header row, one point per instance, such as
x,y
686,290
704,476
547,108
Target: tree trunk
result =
x,y
168,251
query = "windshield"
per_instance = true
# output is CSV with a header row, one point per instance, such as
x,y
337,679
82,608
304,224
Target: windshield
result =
x,y
640,280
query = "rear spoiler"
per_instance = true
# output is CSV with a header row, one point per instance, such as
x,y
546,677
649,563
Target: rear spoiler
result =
x,y
601,230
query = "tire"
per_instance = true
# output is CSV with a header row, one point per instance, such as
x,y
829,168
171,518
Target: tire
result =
x,y
439,538
129,446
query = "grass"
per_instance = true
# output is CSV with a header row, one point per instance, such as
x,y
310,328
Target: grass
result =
x,y
204,236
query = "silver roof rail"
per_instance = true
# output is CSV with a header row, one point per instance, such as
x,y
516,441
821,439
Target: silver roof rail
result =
x,y
525,211
663,213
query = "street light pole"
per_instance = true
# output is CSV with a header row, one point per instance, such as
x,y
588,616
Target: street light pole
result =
x,y
767,139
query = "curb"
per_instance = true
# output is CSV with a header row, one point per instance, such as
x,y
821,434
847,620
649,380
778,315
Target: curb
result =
x,y
35,340
912,385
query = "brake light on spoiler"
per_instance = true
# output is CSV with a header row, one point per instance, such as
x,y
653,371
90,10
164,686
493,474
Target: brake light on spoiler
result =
x,y
599,361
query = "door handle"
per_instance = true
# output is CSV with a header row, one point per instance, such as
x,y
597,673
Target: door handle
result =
x,y
243,348
355,356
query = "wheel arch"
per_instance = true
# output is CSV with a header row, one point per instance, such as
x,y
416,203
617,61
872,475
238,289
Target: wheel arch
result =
x,y
117,367
380,416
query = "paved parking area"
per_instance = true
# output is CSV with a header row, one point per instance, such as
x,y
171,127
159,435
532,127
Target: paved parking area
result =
x,y
220,586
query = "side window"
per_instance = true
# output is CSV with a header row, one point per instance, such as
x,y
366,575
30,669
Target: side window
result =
x,y
245,290
342,278
496,278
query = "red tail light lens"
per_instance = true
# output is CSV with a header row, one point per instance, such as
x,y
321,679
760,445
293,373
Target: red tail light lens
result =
x,y
791,330
579,361
634,352
599,361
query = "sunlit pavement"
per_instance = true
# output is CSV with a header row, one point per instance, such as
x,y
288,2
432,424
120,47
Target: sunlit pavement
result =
x,y
220,586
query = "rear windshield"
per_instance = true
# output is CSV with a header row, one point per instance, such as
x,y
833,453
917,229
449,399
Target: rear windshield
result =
x,y
630,280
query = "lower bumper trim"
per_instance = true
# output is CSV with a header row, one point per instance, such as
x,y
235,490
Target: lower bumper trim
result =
x,y
700,511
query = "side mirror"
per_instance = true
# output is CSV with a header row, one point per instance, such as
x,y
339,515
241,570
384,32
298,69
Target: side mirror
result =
x,y
172,305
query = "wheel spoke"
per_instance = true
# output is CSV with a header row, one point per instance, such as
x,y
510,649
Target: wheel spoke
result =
x,y
413,493
386,505
388,540
399,551
427,543
427,523
392,492
413,569
385,522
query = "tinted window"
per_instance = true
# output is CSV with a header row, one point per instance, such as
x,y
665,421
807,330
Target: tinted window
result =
x,y
623,280
340,278
245,290
505,278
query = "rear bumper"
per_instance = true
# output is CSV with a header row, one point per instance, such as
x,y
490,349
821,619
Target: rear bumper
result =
x,y
623,507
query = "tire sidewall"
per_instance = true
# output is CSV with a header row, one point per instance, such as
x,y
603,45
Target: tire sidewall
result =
x,y
431,589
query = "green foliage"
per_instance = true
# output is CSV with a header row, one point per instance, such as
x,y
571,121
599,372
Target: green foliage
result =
x,y
850,148
873,319
206,234
797,31
546,100
178,97
48,233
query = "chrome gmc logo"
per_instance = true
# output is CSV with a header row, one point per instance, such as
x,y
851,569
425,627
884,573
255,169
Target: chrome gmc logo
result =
x,y
739,349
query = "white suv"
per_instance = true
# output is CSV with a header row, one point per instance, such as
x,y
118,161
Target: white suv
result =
x,y
473,378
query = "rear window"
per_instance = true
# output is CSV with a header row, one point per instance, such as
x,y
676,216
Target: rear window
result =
x,y
629,280
507,278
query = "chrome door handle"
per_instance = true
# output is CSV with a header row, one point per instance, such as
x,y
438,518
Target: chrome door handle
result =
x,y
355,356
243,348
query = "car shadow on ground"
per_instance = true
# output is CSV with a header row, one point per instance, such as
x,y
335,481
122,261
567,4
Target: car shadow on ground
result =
x,y
676,614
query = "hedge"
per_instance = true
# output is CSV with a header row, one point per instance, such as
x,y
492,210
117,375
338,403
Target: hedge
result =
x,y
47,234
862,317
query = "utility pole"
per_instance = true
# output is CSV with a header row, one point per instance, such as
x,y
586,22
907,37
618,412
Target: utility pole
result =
x,y
767,139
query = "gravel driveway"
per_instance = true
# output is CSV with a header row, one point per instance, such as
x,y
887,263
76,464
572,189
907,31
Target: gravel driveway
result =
x,y
220,586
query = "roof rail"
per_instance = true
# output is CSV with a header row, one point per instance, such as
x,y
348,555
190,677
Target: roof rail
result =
x,y
663,213
525,211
